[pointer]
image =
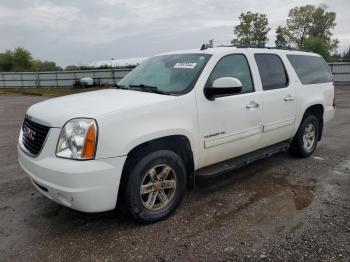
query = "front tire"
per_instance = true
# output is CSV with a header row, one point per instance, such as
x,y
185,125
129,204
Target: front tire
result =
x,y
305,141
155,186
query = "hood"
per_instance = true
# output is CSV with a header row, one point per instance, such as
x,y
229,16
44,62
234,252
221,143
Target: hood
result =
x,y
57,111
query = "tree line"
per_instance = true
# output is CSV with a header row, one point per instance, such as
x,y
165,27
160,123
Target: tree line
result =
x,y
307,27
21,60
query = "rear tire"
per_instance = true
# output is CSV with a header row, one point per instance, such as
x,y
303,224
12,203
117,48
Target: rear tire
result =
x,y
305,140
155,186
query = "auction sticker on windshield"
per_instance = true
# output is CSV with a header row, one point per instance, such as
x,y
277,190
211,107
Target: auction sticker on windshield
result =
x,y
185,65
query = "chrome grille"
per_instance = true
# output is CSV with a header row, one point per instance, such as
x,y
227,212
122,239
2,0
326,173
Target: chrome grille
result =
x,y
33,136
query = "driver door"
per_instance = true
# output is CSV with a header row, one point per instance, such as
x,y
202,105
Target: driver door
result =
x,y
231,125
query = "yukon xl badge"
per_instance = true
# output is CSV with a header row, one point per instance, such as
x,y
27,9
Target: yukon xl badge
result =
x,y
28,133
216,134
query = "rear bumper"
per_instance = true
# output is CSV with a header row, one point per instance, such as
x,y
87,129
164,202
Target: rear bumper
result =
x,y
87,186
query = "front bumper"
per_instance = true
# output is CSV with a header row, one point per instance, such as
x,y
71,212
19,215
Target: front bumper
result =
x,y
88,186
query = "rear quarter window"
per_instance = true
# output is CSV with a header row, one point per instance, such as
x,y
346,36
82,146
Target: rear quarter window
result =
x,y
310,69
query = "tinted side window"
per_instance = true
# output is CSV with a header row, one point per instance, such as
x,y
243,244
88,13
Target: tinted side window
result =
x,y
233,66
310,69
272,72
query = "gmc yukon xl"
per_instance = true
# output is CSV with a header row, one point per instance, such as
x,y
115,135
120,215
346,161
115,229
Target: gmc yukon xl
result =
x,y
175,117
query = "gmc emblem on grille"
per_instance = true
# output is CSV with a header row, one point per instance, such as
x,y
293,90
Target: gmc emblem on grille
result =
x,y
28,133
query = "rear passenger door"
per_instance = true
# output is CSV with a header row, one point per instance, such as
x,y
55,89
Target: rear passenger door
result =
x,y
278,98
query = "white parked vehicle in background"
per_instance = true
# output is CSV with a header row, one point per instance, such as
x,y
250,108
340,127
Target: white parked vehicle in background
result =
x,y
86,82
176,116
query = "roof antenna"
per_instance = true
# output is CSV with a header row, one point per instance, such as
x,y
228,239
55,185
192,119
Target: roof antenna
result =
x,y
204,46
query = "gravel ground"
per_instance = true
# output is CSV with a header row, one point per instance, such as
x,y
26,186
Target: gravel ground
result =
x,y
275,209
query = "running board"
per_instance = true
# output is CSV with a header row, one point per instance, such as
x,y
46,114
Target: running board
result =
x,y
237,162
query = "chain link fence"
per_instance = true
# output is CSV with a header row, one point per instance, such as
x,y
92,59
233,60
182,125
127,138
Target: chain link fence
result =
x,y
105,77
341,72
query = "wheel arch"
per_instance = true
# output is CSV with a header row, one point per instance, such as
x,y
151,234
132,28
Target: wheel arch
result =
x,y
318,111
179,144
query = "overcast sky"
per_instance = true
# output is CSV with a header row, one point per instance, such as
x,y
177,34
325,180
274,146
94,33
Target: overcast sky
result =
x,y
83,31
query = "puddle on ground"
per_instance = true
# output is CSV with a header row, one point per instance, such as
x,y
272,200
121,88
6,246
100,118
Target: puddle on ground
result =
x,y
303,198
265,187
276,203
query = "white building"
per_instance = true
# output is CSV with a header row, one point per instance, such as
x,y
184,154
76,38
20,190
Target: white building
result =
x,y
119,62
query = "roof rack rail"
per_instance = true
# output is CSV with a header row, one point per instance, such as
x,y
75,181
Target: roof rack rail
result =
x,y
226,46
267,47
289,48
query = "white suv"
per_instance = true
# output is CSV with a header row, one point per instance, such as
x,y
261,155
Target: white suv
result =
x,y
176,116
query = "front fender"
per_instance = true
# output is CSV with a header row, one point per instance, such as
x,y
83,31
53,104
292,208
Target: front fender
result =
x,y
159,134
121,132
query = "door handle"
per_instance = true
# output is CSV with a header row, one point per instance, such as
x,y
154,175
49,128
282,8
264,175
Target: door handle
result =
x,y
252,104
288,98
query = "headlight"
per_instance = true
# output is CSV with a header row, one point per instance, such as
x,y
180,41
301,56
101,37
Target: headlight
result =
x,y
78,139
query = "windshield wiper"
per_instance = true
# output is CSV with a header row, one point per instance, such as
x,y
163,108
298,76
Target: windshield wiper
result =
x,y
151,89
120,86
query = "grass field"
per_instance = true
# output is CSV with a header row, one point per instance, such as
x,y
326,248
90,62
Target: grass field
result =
x,y
44,91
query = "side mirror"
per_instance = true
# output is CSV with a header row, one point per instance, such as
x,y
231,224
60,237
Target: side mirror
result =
x,y
223,86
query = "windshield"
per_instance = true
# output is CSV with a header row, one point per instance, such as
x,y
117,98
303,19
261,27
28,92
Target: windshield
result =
x,y
170,74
